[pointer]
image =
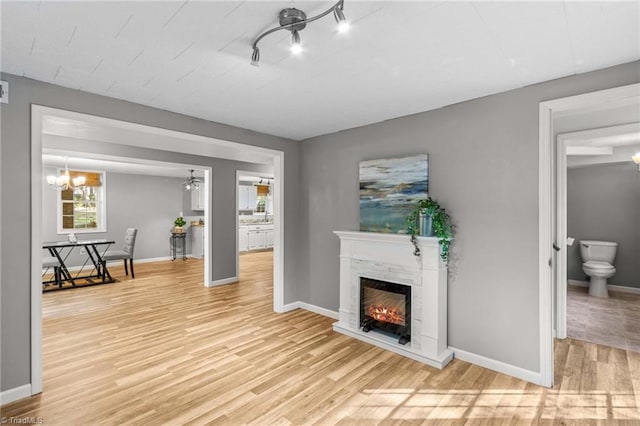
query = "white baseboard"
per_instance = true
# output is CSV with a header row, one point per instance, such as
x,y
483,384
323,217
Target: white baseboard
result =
x,y
499,366
311,308
620,288
15,394
318,310
112,262
152,259
290,307
223,281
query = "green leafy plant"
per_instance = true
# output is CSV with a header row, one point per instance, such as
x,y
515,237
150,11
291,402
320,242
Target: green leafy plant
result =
x,y
440,222
179,221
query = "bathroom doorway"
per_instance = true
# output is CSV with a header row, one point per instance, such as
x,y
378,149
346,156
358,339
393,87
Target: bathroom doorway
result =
x,y
599,206
552,249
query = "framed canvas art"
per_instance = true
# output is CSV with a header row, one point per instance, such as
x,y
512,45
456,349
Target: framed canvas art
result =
x,y
389,189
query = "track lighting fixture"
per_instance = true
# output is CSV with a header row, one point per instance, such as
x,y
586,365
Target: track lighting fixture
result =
x,y
296,20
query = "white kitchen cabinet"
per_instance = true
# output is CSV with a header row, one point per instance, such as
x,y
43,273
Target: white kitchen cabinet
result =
x,y
243,239
247,198
197,198
197,241
255,237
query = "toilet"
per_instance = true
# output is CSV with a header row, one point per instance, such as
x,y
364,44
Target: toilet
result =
x,y
597,258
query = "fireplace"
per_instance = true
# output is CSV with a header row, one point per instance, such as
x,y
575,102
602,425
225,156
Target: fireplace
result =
x,y
386,307
368,259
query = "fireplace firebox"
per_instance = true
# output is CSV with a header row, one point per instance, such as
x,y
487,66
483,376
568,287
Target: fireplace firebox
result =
x,y
386,307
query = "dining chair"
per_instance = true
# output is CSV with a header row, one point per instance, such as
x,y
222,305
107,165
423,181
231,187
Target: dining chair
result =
x,y
52,262
126,253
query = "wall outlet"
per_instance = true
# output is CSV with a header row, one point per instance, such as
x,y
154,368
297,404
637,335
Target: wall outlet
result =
x,y
4,92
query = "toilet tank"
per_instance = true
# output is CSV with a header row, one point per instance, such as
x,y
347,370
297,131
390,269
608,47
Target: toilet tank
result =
x,y
600,251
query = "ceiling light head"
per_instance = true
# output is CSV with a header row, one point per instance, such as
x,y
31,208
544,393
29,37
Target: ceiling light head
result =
x,y
79,181
255,57
296,47
343,24
636,159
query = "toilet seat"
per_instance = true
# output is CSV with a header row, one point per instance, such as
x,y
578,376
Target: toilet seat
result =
x,y
598,266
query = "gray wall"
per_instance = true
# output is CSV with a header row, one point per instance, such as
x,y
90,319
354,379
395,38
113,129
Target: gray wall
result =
x,y
148,203
603,203
483,168
483,165
15,153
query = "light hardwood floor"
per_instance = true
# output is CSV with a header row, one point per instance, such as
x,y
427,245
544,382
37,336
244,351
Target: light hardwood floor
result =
x,y
161,349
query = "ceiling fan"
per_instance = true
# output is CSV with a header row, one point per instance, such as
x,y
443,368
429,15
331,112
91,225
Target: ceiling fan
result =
x,y
191,182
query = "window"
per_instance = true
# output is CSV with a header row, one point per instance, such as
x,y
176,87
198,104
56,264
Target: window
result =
x,y
82,209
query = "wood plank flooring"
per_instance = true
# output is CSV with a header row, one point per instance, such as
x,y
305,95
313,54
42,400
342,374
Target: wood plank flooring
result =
x,y
162,349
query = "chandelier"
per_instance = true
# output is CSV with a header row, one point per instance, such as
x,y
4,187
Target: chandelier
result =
x,y
191,182
64,182
296,20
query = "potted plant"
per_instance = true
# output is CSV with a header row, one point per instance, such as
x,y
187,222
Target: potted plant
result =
x,y
429,218
178,224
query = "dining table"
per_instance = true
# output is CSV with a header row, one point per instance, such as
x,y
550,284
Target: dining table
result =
x,y
94,269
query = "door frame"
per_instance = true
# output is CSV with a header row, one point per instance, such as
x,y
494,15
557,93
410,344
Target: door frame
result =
x,y
204,143
547,209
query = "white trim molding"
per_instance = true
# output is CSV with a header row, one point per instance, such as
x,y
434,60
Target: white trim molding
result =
x,y
318,310
223,281
499,366
290,307
611,287
311,308
15,394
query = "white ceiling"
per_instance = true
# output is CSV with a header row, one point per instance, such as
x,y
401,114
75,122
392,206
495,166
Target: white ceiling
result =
x,y
399,58
98,163
604,145
620,154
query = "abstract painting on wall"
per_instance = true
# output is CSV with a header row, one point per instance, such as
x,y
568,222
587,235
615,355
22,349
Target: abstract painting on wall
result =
x,y
389,189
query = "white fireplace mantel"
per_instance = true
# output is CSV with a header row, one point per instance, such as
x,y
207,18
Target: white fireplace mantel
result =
x,y
389,257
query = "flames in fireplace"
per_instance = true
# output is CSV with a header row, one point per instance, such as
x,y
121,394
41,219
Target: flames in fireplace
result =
x,y
387,314
386,306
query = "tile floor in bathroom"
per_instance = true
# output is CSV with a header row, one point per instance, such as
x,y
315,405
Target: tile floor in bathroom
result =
x,y
612,322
